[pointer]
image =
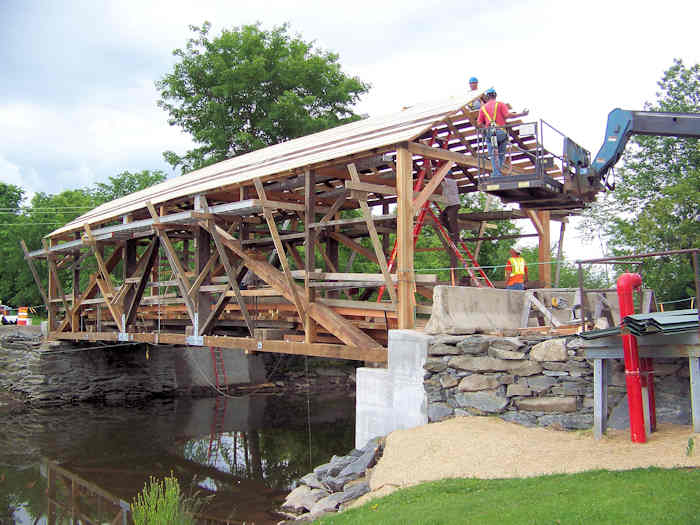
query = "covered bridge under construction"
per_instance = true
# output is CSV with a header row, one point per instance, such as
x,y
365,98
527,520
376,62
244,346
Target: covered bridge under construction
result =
x,y
169,263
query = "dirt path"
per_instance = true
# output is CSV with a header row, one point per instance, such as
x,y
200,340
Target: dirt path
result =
x,y
484,447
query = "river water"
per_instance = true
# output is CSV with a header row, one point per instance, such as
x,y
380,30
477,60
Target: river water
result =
x,y
241,456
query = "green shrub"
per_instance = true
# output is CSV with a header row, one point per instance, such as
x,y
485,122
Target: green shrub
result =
x,y
160,503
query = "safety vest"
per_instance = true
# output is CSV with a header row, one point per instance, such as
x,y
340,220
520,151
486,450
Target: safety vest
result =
x,y
517,266
492,120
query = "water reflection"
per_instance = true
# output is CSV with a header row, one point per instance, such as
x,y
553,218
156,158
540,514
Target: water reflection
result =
x,y
75,464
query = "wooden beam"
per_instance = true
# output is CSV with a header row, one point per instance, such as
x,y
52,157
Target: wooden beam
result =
x,y
281,255
375,353
143,271
310,327
114,309
404,236
545,254
59,287
100,262
354,246
333,322
374,237
334,209
432,185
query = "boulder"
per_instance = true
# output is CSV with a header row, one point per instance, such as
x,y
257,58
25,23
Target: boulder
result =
x,y
479,364
330,503
548,404
443,349
434,365
475,344
439,411
500,353
521,418
310,480
518,389
303,498
447,381
523,368
540,384
484,400
567,421
550,350
507,343
477,382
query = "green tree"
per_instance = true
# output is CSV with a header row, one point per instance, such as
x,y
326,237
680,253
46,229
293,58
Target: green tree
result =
x,y
657,197
125,183
249,88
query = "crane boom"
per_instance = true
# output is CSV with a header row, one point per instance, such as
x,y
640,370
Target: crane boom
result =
x,y
622,124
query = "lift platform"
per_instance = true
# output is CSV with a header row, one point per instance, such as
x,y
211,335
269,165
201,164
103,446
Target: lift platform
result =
x,y
543,179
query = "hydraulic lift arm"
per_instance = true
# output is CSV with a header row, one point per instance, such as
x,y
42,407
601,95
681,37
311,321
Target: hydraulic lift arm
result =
x,y
622,124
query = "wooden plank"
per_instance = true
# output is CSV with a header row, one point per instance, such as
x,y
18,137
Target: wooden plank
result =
x,y
374,237
334,323
431,186
281,255
542,308
404,237
545,252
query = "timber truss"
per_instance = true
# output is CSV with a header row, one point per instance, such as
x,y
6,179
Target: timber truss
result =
x,y
251,260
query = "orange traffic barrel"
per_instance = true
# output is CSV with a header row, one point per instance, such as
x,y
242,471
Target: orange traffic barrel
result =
x,y
23,316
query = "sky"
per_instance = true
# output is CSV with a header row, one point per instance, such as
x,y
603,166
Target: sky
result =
x,y
78,100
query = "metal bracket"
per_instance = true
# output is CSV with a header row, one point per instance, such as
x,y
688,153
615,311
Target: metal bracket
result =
x,y
195,340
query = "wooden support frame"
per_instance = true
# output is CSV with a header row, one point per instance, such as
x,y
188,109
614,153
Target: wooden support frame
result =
x,y
281,254
142,272
310,326
175,265
208,325
376,242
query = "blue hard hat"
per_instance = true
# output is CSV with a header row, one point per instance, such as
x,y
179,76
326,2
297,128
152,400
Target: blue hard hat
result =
x,y
490,91
473,79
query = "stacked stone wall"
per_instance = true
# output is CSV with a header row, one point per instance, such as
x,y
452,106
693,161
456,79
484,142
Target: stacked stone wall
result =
x,y
535,381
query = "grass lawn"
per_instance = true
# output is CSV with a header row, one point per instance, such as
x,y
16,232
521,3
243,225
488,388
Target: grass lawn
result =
x,y
648,496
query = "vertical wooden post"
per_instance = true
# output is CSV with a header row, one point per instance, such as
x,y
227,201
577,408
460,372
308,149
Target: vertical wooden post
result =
x,y
129,257
385,235
52,284
544,249
202,252
560,251
75,321
404,237
309,249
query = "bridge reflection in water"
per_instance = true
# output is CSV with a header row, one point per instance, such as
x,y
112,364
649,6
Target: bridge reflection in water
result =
x,y
239,455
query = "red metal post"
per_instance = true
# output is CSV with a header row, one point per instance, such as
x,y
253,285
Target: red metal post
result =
x,y
626,284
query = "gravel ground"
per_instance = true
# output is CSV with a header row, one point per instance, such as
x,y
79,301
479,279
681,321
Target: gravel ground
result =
x,y
486,447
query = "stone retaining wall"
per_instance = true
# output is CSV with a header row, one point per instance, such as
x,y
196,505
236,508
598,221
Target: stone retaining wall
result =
x,y
58,373
536,381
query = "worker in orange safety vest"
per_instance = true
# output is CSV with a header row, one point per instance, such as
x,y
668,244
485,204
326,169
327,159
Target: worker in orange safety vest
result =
x,y
516,271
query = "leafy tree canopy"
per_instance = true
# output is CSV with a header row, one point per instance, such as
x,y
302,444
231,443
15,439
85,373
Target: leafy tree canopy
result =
x,y
249,88
655,206
126,183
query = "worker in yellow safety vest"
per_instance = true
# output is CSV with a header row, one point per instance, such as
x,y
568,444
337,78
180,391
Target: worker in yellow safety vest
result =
x,y
516,271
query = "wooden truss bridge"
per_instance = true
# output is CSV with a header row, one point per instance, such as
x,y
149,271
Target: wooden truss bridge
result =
x,y
172,264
